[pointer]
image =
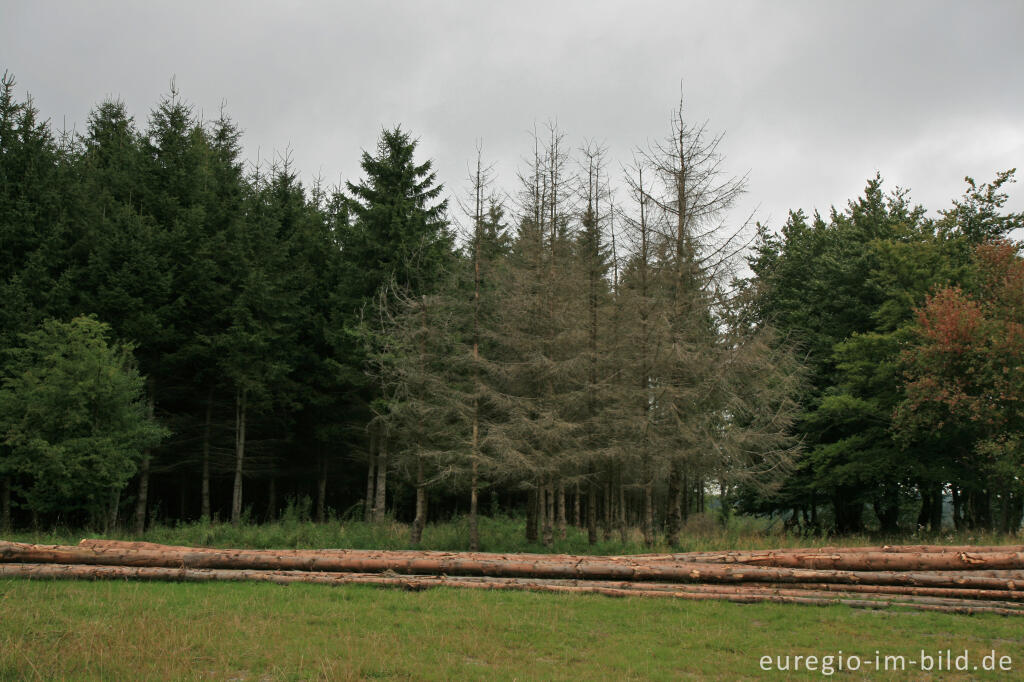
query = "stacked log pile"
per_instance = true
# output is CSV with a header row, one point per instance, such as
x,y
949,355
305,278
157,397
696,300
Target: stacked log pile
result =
x,y
927,577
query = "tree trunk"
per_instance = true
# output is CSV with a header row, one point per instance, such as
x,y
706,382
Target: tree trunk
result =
x,y
912,569
379,509
592,510
420,521
623,533
272,498
204,511
236,493
648,513
822,594
848,510
112,510
321,489
474,501
561,510
935,521
1016,513
980,509
687,496
814,512
674,512
957,509
606,527
371,482
887,509
143,498
478,214
531,515
5,504
577,520
925,514
549,515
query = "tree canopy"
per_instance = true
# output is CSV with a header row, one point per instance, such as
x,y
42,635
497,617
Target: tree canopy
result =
x,y
187,334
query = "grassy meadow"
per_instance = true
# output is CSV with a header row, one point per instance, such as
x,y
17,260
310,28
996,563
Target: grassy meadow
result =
x,y
119,630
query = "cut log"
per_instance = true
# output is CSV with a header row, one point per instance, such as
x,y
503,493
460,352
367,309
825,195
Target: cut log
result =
x,y
881,561
986,558
402,562
418,582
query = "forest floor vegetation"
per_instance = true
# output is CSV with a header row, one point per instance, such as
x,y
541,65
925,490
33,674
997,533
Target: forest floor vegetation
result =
x,y
702,532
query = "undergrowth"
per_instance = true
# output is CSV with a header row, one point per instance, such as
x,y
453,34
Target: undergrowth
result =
x,y
497,534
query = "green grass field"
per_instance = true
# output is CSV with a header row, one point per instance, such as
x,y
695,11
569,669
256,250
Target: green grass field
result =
x,y
121,630
67,630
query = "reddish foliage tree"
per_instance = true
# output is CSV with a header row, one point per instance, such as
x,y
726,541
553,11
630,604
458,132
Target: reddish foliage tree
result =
x,y
965,378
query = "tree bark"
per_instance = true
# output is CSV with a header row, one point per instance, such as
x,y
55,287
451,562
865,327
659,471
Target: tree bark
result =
x,y
112,510
531,514
549,515
371,482
623,531
204,511
556,566
321,488
236,494
142,500
807,594
420,521
474,502
648,513
561,509
478,186
141,503
848,510
925,514
674,512
592,509
958,522
606,517
272,498
379,508
5,504
687,496
577,520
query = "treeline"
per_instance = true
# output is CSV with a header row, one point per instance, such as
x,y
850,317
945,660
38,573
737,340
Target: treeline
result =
x,y
224,340
913,329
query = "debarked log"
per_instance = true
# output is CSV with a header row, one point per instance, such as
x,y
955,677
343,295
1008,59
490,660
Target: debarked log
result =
x,y
739,594
591,569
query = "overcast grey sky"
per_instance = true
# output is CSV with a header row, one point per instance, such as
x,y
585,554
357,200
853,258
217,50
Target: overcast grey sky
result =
x,y
813,97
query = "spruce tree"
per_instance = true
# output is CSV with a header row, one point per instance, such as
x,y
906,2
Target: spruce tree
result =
x,y
396,240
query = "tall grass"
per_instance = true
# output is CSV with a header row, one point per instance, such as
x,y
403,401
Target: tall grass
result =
x,y
497,534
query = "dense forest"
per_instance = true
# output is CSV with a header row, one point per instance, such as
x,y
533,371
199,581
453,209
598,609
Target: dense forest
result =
x,y
185,334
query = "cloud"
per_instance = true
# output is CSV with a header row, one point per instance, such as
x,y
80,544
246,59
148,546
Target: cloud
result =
x,y
813,97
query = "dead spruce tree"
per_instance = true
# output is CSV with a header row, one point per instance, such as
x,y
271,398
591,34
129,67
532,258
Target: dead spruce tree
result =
x,y
709,398
597,466
487,246
549,366
536,441
425,395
